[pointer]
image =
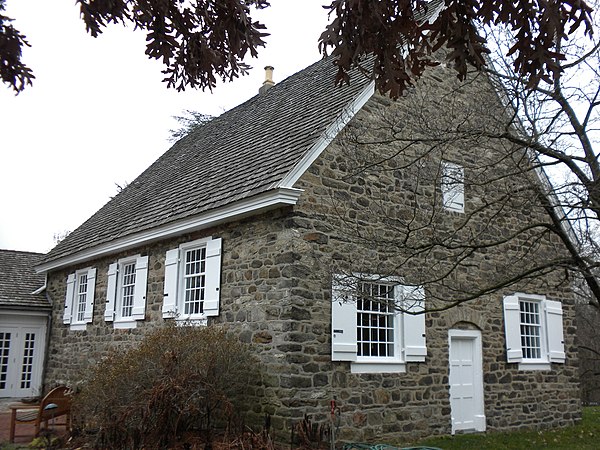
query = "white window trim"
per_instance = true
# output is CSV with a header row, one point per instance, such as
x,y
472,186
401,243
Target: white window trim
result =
x,y
120,321
200,318
453,193
377,364
71,299
114,298
174,282
402,321
552,340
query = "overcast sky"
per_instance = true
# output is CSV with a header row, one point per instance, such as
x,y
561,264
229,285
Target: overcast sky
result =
x,y
98,113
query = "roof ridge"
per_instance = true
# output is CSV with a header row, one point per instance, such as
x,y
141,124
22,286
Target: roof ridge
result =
x,y
4,250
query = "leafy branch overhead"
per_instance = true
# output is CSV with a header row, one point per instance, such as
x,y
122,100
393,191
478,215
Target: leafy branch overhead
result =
x,y
12,70
402,34
197,41
200,41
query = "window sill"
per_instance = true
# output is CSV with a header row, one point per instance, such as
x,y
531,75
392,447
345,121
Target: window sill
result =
x,y
377,367
454,209
124,324
542,365
192,322
78,326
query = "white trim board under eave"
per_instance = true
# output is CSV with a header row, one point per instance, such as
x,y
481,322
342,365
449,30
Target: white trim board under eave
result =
x,y
328,135
275,198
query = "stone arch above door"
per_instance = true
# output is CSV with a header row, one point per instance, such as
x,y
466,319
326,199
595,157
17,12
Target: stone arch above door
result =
x,y
465,318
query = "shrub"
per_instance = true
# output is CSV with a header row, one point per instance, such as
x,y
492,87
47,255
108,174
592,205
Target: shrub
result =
x,y
178,379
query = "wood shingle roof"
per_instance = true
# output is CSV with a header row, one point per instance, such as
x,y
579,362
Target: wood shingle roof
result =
x,y
243,153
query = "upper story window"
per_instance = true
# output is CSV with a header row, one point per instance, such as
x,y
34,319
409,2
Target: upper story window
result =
x,y
79,298
126,291
534,331
369,327
453,187
192,280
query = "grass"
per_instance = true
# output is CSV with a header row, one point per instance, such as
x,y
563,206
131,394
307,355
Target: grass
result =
x,y
584,436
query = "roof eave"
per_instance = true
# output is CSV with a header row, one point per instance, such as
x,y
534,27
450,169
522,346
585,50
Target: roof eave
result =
x,y
20,308
272,199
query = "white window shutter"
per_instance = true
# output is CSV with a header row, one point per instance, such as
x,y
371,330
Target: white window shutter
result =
x,y
415,346
89,298
141,281
212,284
512,329
554,327
69,298
111,292
169,308
343,325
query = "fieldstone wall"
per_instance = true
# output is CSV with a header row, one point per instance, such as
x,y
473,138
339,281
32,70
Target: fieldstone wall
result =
x,y
380,178
370,200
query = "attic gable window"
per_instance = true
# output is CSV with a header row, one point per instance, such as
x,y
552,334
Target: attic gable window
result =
x,y
534,331
453,187
127,281
192,281
369,327
79,298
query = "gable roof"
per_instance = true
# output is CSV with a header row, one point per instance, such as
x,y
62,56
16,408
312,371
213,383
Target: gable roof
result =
x,y
240,163
18,280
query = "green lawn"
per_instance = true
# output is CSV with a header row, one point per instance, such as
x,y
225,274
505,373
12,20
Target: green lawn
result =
x,y
584,436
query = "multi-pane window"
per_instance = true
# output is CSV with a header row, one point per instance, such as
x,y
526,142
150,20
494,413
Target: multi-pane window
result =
x,y
377,323
127,289
194,281
27,366
4,358
533,330
531,327
81,296
375,320
126,286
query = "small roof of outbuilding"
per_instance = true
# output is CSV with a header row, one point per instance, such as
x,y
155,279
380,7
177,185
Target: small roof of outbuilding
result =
x,y
19,281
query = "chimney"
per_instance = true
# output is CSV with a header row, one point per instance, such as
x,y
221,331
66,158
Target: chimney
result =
x,y
268,83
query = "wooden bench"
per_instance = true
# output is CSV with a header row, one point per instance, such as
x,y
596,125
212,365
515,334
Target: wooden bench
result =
x,y
56,403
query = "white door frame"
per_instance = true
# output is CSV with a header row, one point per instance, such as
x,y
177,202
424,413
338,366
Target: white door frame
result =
x,y
474,336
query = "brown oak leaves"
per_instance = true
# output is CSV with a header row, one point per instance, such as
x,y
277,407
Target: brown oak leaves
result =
x,y
200,41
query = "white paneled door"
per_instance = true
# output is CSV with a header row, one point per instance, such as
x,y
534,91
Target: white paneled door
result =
x,y
466,381
22,344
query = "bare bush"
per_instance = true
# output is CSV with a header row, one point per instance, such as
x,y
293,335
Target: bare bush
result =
x,y
179,379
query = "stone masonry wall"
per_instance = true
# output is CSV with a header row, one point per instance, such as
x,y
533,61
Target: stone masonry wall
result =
x,y
380,176
276,287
